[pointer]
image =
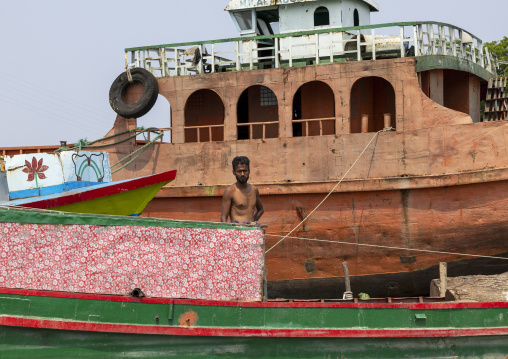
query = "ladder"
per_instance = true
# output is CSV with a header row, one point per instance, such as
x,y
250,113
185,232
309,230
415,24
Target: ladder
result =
x,y
496,104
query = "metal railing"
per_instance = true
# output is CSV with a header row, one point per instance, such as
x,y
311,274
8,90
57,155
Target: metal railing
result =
x,y
312,47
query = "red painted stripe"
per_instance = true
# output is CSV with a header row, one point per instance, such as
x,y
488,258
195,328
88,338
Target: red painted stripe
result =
x,y
119,298
248,332
71,197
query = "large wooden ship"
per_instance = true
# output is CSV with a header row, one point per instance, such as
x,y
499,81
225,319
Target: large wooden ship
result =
x,y
312,91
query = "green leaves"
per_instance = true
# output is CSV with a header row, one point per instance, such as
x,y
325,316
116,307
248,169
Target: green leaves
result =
x,y
500,49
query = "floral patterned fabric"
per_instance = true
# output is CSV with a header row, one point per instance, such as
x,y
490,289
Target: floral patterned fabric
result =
x,y
211,264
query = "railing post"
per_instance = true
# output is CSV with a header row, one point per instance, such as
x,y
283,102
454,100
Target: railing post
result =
x,y
177,70
358,45
317,49
290,51
416,40
213,59
251,63
163,61
277,59
453,41
238,65
432,39
402,48
331,47
373,34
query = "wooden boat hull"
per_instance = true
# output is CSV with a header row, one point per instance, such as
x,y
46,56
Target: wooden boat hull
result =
x,y
50,324
123,198
437,224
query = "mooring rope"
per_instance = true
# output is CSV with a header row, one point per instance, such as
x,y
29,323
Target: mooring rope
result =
x,y
141,150
330,193
387,247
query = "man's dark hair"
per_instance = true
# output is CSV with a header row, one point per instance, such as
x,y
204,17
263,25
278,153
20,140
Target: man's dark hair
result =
x,y
240,160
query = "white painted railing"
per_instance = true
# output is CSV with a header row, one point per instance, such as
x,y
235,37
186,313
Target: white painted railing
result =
x,y
312,47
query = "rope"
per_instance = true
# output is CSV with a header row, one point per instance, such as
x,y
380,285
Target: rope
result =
x,y
142,149
389,247
328,195
129,76
85,144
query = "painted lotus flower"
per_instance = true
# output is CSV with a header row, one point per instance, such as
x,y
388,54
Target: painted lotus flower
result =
x,y
35,169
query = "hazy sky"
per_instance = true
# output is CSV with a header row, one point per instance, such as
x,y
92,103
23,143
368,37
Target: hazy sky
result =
x,y
59,58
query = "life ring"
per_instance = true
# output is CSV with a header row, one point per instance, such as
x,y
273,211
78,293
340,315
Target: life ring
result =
x,y
147,100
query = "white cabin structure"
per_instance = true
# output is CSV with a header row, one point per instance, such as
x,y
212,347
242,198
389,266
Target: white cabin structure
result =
x,y
268,17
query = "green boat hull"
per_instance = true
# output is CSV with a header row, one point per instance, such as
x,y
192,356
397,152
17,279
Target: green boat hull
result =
x,y
71,325
43,343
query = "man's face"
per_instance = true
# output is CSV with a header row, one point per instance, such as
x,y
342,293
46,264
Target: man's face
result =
x,y
242,173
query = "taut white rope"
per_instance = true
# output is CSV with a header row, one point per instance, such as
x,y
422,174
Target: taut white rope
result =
x,y
389,247
329,194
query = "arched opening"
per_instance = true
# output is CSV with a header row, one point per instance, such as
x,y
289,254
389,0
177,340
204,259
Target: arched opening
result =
x,y
158,117
204,117
258,114
356,18
314,110
456,90
373,97
321,16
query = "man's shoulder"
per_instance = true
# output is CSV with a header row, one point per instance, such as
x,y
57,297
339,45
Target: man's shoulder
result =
x,y
230,189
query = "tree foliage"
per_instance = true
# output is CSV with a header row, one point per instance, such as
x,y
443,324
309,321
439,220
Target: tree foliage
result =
x,y
500,49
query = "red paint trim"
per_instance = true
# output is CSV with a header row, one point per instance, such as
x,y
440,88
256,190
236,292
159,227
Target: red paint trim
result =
x,y
248,332
71,197
119,298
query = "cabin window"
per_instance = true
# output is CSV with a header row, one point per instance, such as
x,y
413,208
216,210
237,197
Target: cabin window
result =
x,y
258,114
356,18
204,117
314,110
244,20
321,16
373,100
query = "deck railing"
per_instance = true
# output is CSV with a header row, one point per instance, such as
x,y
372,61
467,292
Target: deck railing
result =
x,y
312,47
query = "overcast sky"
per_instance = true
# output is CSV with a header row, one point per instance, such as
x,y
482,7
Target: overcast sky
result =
x,y
59,58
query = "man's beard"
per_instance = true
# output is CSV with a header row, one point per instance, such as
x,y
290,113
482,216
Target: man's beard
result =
x,y
242,180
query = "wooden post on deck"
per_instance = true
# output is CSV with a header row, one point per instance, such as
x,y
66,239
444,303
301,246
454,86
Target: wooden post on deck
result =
x,y
388,120
443,275
365,123
348,294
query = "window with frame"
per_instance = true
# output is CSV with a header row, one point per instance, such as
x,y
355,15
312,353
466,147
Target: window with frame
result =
x,y
321,16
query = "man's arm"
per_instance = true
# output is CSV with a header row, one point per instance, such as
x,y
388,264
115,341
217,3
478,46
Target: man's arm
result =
x,y
259,207
226,204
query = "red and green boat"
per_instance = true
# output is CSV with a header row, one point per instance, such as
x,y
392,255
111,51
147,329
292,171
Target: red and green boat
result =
x,y
80,285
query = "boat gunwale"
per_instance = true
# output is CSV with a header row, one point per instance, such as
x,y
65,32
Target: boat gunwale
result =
x,y
240,304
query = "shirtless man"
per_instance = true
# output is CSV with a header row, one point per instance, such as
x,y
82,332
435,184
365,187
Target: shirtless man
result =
x,y
241,201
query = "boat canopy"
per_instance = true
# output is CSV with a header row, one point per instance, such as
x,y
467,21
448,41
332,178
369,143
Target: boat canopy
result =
x,y
250,4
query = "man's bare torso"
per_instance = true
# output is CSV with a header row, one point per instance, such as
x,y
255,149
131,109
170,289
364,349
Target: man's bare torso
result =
x,y
243,203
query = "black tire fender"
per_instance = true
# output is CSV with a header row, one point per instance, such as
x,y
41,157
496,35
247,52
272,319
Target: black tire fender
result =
x,y
148,99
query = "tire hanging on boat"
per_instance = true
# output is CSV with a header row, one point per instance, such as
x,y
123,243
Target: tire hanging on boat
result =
x,y
147,100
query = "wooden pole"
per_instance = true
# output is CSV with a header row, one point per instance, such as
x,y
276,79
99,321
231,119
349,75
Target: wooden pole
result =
x,y
443,275
365,123
347,294
387,120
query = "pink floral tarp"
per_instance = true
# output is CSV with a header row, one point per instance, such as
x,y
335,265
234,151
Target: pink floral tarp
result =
x,y
211,264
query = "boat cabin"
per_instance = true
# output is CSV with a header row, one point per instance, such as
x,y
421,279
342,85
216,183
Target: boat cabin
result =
x,y
258,17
